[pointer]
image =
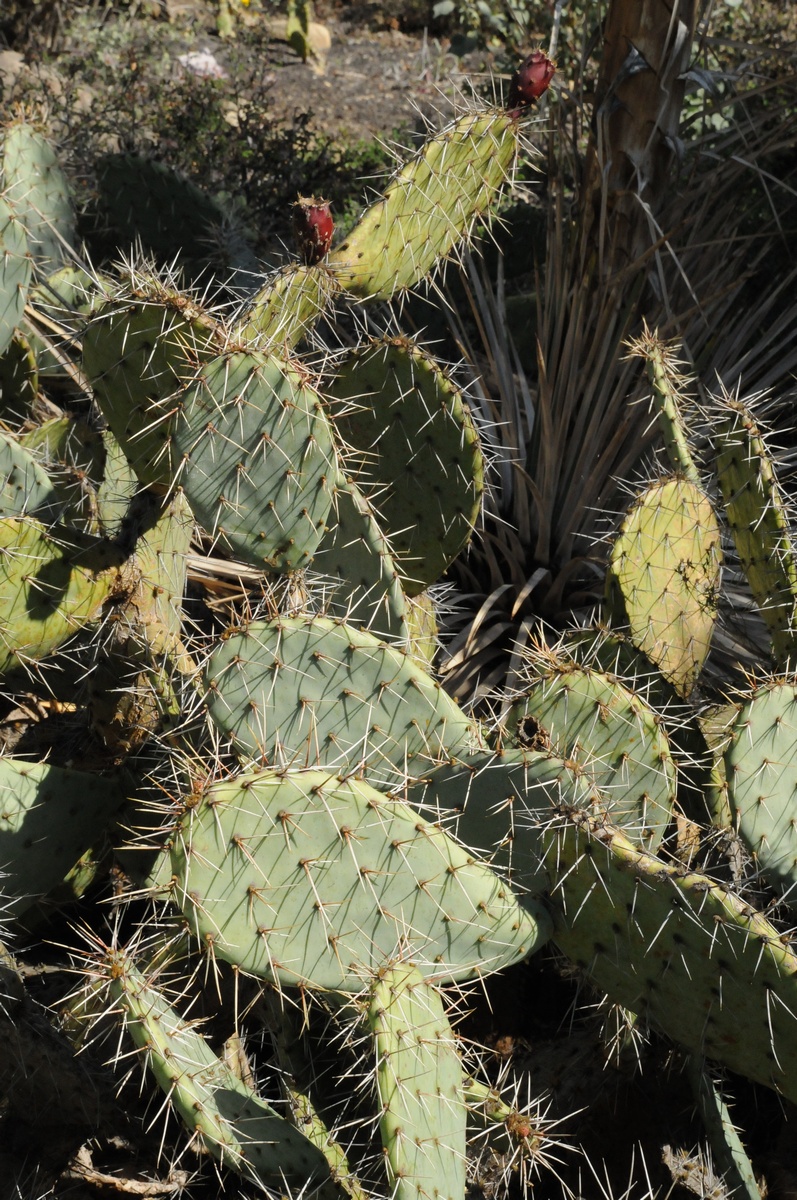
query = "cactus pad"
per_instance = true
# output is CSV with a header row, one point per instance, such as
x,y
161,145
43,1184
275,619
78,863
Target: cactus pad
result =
x,y
755,511
139,355
38,190
416,451
304,692
663,577
498,805
287,307
420,1084
25,486
591,718
364,590
761,786
48,590
675,947
421,618
73,452
15,273
428,208
19,380
230,1120
304,878
258,459
48,817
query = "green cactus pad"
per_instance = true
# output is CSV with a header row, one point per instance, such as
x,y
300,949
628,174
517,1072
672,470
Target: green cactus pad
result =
x,y
25,486
591,718
306,692
676,948
416,454
48,590
39,192
756,514
232,1122
15,272
429,207
663,578
258,459
139,354
602,649
364,590
497,805
304,878
761,775
48,817
420,1085
287,307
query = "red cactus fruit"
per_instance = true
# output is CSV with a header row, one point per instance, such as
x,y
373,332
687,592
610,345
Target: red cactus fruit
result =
x,y
530,80
313,226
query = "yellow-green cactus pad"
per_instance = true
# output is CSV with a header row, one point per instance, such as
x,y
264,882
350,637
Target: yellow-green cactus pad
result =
x,y
663,577
429,207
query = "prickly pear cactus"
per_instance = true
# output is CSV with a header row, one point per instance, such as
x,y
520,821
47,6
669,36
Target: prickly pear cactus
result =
x,y
759,522
678,948
420,1085
760,788
430,206
231,1121
591,718
664,575
417,451
15,272
306,879
257,459
303,692
37,188
139,352
220,659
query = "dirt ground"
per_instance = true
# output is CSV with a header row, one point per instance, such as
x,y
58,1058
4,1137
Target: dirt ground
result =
x,y
374,77
371,72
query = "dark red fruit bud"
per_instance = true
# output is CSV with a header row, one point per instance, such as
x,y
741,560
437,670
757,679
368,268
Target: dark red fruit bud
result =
x,y
313,226
531,80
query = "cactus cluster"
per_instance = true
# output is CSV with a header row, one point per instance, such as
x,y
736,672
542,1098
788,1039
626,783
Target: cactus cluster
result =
x,y
311,810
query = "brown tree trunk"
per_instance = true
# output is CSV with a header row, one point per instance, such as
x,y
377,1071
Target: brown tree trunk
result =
x,y
634,139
